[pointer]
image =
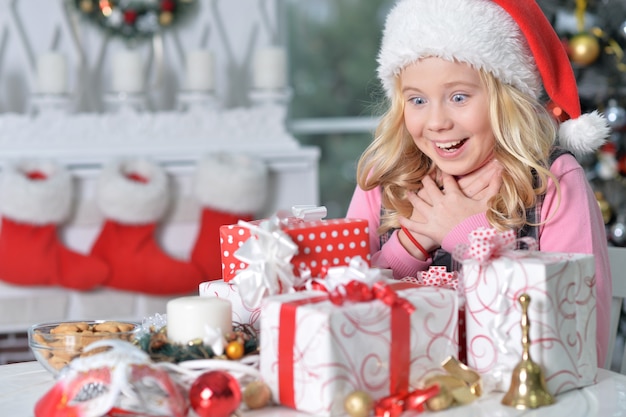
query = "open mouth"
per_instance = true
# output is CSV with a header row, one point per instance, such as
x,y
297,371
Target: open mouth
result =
x,y
451,146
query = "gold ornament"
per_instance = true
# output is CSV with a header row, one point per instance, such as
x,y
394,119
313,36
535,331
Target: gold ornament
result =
x,y
358,404
86,6
166,18
256,395
234,350
460,385
605,207
452,390
444,399
584,49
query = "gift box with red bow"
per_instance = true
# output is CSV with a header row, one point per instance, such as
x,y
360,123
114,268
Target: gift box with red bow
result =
x,y
320,243
562,312
318,347
242,313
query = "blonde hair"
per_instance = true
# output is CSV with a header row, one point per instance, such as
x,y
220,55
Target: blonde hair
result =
x,y
524,134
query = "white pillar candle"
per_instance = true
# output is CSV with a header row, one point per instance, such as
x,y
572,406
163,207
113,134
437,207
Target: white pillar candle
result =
x,y
188,317
200,71
51,73
127,72
270,68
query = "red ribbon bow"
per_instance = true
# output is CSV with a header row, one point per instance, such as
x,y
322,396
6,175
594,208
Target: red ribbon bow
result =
x,y
359,292
394,405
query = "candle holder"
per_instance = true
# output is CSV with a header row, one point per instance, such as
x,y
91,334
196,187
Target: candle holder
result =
x,y
265,97
50,104
191,101
116,102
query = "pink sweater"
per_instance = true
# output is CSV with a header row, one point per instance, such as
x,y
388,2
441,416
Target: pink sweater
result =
x,y
577,227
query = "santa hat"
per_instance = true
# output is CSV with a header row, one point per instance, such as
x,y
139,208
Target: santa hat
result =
x,y
511,39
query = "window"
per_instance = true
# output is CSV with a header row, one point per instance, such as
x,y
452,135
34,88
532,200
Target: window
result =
x,y
332,47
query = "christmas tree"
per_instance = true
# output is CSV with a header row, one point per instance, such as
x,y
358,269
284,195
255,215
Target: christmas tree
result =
x,y
594,33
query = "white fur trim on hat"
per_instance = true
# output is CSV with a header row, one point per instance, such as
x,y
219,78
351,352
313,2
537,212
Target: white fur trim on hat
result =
x,y
511,39
133,202
584,134
232,183
36,201
478,32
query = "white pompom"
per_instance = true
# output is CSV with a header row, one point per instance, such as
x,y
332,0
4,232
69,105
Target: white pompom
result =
x,y
585,134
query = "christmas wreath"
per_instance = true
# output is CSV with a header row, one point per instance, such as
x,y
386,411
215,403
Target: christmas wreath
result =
x,y
135,19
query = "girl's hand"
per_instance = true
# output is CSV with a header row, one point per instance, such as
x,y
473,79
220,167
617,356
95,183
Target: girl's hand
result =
x,y
437,211
479,182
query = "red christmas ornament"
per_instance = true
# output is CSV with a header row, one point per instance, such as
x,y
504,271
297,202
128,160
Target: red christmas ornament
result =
x,y
130,16
215,394
167,5
621,165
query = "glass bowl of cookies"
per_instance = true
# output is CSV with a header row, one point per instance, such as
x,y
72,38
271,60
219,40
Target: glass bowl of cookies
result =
x,y
56,344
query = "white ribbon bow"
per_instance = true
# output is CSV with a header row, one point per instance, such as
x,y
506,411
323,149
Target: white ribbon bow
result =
x,y
357,270
213,337
268,253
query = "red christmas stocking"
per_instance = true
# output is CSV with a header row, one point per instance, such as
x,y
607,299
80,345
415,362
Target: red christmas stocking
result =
x,y
133,195
229,188
35,197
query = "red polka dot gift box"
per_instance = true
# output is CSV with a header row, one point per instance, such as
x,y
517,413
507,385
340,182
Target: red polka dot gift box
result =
x,y
321,244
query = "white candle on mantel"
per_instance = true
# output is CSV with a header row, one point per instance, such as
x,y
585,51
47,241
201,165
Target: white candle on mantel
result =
x,y
127,72
200,73
188,317
51,73
270,68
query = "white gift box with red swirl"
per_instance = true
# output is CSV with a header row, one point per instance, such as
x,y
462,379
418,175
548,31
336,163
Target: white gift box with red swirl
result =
x,y
314,353
242,313
561,313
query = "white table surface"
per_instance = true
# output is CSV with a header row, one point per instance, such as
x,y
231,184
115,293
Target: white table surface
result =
x,y
22,384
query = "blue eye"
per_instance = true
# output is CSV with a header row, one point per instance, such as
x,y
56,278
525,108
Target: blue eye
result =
x,y
458,98
417,100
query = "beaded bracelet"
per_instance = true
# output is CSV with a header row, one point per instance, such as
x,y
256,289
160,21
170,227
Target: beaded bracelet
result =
x,y
415,242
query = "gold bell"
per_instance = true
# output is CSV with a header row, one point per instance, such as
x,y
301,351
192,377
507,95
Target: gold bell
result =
x,y
528,384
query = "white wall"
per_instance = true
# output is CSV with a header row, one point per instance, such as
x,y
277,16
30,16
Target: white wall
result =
x,y
235,28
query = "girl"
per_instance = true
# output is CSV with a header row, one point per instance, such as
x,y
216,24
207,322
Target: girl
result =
x,y
467,143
